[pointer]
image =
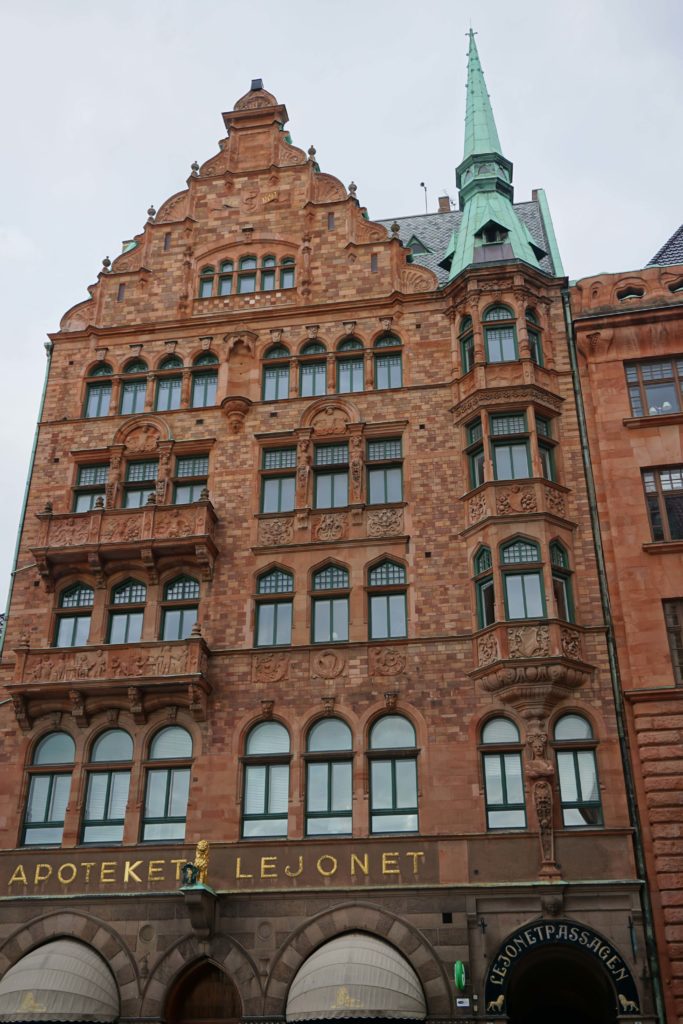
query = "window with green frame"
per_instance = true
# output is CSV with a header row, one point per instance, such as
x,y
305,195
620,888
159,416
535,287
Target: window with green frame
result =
x,y
329,778
534,335
225,277
387,601
483,581
500,335
562,585
274,609
350,369
133,389
206,278
510,446
330,618
546,447
266,782
169,385
466,344
475,452
204,381
167,785
313,370
385,471
331,469
287,272
191,478
503,777
90,485
179,608
108,782
246,277
275,374
393,775
73,620
388,364
126,612
140,483
577,772
98,392
523,585
278,487
49,785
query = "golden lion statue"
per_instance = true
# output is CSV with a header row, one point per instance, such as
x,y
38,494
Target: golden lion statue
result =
x,y
201,861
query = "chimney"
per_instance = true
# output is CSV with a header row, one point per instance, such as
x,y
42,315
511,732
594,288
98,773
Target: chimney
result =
x,y
444,204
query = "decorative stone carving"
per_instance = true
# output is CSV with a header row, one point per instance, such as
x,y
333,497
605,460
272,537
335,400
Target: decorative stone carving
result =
x,y
327,188
143,438
387,661
417,279
543,803
487,648
276,531
69,532
522,393
529,641
135,704
175,522
391,699
515,499
331,526
174,208
19,705
267,708
328,701
386,522
570,642
327,664
271,667
330,420
554,501
78,707
78,318
478,507
235,411
122,528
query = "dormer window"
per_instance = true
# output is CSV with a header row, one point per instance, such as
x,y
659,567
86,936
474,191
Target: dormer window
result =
x,y
492,234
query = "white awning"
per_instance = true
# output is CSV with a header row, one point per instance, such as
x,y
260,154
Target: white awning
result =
x,y
356,975
61,981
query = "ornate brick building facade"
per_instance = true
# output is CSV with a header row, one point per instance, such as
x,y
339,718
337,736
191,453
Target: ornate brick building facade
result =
x,y
307,572
628,333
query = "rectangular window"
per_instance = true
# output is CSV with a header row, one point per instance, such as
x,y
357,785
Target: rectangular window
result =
x,y
90,486
385,481
535,347
266,800
331,485
664,500
328,798
177,623
125,627
673,616
579,792
273,623
279,458
204,387
275,383
72,630
313,379
191,478
349,375
330,620
504,787
501,344
393,795
486,602
168,393
166,799
140,483
511,461
388,372
48,796
524,595
105,807
97,400
467,353
547,457
654,387
513,423
278,491
563,597
388,616
133,397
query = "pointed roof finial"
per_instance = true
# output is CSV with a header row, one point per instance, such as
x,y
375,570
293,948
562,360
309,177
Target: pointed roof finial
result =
x,y
481,135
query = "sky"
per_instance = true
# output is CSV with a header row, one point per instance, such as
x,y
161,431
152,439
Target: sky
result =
x,y
105,106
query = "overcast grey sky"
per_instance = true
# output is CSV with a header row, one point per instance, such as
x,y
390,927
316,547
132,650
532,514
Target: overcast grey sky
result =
x,y
105,106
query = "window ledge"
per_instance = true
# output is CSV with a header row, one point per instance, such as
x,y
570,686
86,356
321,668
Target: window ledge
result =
x,y
638,422
664,547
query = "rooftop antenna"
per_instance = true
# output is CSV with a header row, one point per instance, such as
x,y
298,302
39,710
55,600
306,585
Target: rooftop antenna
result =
x,y
422,185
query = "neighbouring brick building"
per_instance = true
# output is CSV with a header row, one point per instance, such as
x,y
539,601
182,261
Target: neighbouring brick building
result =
x,y
628,333
307,571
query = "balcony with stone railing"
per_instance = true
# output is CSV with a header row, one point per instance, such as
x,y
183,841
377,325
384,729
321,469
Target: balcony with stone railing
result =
x,y
306,526
82,681
103,537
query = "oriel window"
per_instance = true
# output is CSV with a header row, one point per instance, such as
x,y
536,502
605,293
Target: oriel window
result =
x,y
191,477
500,335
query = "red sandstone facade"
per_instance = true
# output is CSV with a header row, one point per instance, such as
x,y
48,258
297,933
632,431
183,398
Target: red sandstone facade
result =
x,y
628,331
450,888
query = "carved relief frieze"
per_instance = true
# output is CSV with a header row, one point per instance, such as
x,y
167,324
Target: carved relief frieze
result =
x,y
386,522
327,664
330,526
528,641
387,661
555,501
571,643
515,499
276,531
487,649
477,507
270,667
523,393
330,420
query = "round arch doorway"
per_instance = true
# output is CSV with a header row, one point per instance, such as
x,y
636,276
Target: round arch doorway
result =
x,y
204,994
564,986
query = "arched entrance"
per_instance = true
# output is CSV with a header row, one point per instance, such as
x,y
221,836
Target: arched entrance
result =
x,y
562,986
204,994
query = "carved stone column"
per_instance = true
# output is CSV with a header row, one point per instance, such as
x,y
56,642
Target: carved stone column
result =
x,y
356,463
541,773
304,458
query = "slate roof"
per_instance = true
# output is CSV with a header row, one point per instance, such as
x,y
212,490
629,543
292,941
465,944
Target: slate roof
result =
x,y
671,251
435,229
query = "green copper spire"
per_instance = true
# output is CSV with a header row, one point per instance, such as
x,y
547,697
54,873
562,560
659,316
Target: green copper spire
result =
x,y
489,230
481,135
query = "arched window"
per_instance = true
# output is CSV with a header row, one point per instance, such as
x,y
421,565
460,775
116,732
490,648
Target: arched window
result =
x,y
393,775
268,274
225,276
562,582
266,781
126,612
276,374
274,609
483,581
204,381
133,388
350,368
167,785
387,601
179,608
534,335
48,790
206,282
577,772
98,393
500,334
246,278
466,344
169,384
107,787
73,616
388,362
313,370
329,782
503,780
330,619
287,272
523,582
